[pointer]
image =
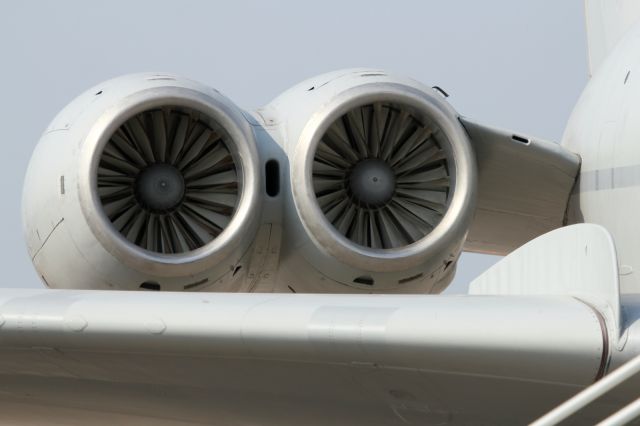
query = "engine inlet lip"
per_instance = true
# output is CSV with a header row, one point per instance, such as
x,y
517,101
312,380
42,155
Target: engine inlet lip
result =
x,y
244,153
454,224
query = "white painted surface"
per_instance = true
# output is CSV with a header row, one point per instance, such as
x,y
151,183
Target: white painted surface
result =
x,y
578,260
523,188
276,359
371,360
604,131
607,22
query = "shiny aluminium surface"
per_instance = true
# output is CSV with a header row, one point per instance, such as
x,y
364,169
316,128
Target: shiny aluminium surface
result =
x,y
80,357
285,132
523,187
69,236
193,357
576,260
298,118
455,143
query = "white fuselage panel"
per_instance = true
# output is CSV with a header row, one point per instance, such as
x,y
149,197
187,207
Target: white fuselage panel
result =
x,y
605,132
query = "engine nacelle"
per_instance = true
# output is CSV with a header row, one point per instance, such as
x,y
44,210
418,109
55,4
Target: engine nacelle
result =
x,y
382,183
155,182
144,181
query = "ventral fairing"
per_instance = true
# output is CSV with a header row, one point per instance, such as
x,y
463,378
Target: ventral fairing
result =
x,y
244,231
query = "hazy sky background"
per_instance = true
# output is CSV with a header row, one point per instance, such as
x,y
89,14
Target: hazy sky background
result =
x,y
513,64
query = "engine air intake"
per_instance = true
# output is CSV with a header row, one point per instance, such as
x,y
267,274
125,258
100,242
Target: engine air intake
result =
x,y
381,177
167,180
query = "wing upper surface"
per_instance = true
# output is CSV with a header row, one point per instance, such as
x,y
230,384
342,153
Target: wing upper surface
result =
x,y
506,354
277,359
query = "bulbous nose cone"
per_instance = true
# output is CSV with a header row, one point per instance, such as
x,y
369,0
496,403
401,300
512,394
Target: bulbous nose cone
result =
x,y
160,188
372,182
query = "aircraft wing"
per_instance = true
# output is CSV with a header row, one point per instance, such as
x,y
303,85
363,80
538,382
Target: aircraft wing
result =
x,y
288,359
99,357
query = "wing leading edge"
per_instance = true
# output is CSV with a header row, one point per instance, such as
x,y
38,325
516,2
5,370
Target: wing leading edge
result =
x,y
360,357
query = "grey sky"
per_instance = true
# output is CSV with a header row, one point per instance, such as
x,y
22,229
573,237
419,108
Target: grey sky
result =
x,y
513,64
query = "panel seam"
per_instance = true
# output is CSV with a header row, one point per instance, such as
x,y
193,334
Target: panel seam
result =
x,y
605,357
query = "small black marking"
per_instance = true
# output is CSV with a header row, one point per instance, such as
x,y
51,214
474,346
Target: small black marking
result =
x,y
292,290
364,280
235,270
520,139
47,237
62,185
99,93
45,281
626,77
311,88
150,285
441,90
272,177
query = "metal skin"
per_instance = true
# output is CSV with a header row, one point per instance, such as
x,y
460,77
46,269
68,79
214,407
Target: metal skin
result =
x,y
290,359
545,322
299,117
72,242
603,129
289,128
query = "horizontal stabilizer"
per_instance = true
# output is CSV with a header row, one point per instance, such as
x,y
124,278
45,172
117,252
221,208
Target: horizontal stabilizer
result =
x,y
578,260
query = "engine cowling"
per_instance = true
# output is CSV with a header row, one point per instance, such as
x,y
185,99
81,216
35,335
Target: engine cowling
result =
x,y
382,181
155,182
144,181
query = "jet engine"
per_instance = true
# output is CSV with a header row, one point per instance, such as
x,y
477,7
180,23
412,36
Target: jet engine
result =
x,y
382,183
151,181
145,181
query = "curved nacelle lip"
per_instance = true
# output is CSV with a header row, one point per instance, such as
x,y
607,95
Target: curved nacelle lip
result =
x,y
244,152
454,224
